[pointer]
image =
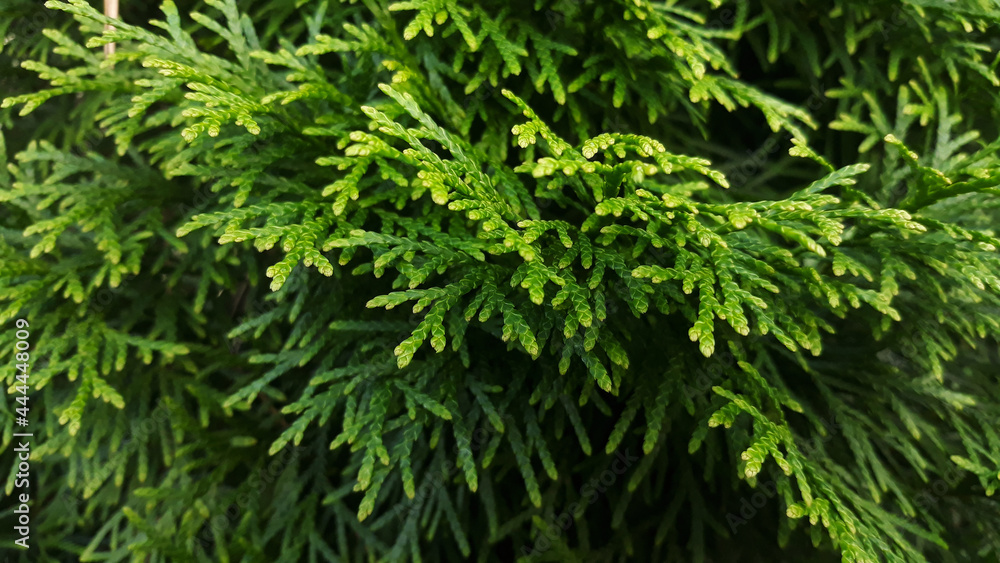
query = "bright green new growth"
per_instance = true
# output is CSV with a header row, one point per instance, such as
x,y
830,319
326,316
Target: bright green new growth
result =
x,y
578,272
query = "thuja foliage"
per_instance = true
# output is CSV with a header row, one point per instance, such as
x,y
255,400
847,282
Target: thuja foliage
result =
x,y
438,280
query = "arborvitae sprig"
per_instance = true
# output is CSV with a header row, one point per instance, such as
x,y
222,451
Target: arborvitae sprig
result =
x,y
403,280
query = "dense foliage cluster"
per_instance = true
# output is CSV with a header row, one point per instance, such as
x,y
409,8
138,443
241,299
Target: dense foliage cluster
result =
x,y
533,280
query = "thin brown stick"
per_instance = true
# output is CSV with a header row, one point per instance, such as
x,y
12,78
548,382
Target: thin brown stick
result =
x,y
110,10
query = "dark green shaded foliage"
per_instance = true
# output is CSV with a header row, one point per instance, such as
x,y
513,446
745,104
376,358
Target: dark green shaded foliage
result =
x,y
397,281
